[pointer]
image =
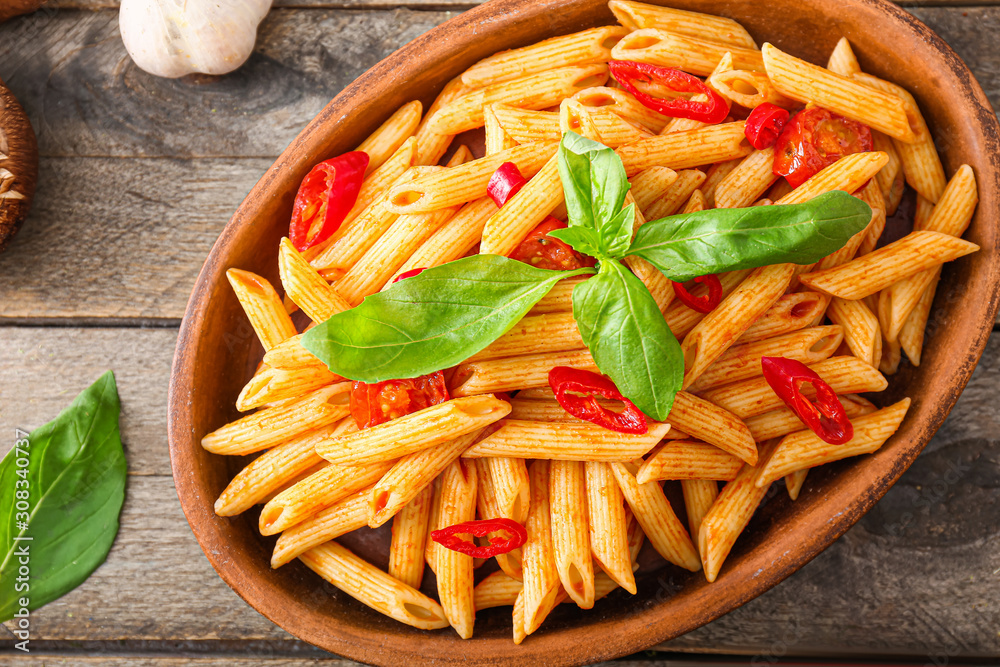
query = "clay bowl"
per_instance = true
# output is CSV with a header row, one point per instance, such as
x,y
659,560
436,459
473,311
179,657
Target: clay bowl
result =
x,y
216,350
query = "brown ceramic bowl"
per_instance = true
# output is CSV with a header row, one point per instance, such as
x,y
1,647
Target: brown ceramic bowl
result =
x,y
216,350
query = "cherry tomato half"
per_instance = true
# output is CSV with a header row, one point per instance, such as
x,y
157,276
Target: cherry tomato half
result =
x,y
373,404
816,138
544,252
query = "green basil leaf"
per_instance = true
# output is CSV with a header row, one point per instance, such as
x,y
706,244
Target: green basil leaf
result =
x,y
616,233
74,472
594,182
629,339
433,320
716,240
582,239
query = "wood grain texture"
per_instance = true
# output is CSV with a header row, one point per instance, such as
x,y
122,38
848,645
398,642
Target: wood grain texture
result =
x,y
85,96
121,239
45,368
917,576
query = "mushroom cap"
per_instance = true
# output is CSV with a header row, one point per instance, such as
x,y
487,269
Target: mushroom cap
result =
x,y
18,165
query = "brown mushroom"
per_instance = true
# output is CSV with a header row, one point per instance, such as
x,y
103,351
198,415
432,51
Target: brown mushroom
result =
x,y
11,8
18,165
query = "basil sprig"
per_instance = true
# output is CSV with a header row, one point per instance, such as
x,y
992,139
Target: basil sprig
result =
x,y
448,313
61,490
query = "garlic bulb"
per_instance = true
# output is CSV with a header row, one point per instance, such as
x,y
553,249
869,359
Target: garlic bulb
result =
x,y
18,165
171,38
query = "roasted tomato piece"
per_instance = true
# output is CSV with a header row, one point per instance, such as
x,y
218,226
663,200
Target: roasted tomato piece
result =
x,y
544,252
816,138
373,404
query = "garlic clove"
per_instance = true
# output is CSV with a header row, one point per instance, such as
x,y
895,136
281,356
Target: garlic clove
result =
x,y
173,38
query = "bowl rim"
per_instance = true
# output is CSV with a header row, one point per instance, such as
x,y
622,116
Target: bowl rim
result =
x,y
622,637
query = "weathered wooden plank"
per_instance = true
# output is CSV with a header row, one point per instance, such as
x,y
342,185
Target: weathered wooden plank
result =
x,y
918,576
44,368
122,239
84,95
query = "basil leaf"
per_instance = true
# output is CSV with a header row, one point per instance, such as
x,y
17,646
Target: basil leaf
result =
x,y
629,339
594,183
433,320
75,481
582,239
716,240
616,233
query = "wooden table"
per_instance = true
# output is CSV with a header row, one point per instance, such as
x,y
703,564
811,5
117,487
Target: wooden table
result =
x,y
139,175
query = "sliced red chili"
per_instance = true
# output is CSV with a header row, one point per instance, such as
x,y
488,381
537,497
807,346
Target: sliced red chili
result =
x,y
325,196
826,416
712,111
547,252
764,125
705,303
814,139
409,274
577,391
505,182
450,537
373,404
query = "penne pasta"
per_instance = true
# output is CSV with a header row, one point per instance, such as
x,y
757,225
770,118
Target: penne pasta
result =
x,y
753,397
649,185
271,470
452,240
782,421
271,385
688,459
496,139
536,91
741,362
338,519
608,525
843,61
454,569
290,355
848,174
454,186
524,211
683,150
559,299
496,590
682,319
530,370
488,505
730,514
373,587
580,48
861,329
410,475
789,313
387,139
672,199
430,144
541,577
915,252
699,495
571,530
710,423
714,176
921,165
262,306
690,54
409,539
747,181
805,449
748,89
317,492
808,83
305,287
564,441
653,512
622,104
871,195
641,15
794,482
414,432
273,426
711,337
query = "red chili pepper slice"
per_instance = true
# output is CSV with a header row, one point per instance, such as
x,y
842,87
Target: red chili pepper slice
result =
x,y
826,416
626,72
816,138
705,303
505,182
449,537
409,274
325,196
568,385
547,252
373,404
764,125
